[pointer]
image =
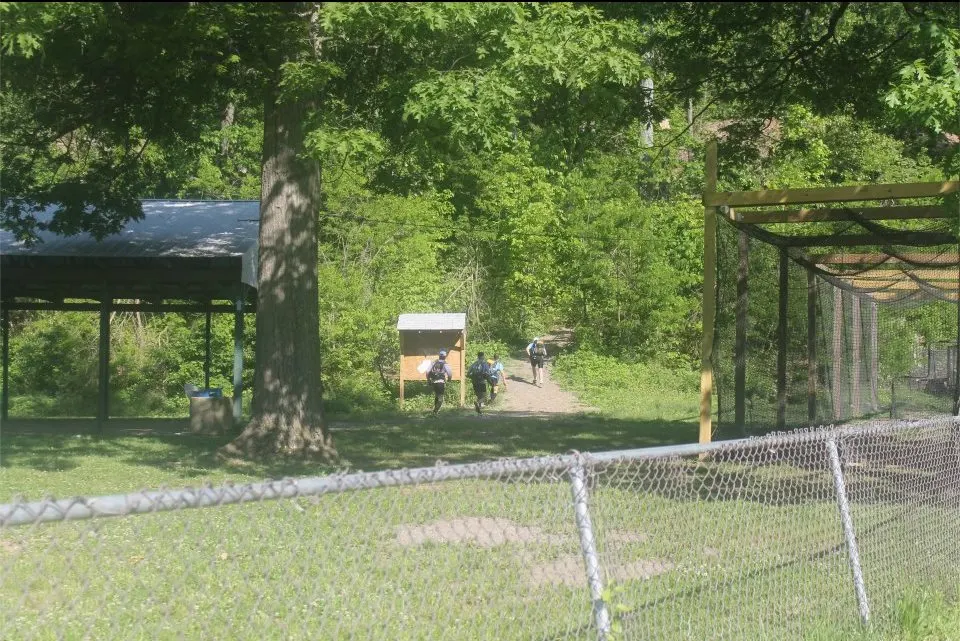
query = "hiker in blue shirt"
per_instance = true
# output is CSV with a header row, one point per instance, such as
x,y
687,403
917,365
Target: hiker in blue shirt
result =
x,y
497,376
438,375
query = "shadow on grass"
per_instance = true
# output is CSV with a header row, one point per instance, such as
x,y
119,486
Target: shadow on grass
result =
x,y
454,437
881,469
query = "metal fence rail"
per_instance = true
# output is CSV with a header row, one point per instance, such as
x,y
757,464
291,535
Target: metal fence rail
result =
x,y
810,534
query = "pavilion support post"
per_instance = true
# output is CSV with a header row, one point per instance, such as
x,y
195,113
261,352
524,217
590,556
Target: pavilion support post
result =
x,y
709,295
837,364
811,348
206,356
103,405
784,295
874,358
5,393
855,367
740,345
238,355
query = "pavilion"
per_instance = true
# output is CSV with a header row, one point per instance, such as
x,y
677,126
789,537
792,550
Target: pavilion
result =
x,y
182,256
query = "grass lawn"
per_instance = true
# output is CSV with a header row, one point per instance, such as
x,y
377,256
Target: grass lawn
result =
x,y
688,550
63,458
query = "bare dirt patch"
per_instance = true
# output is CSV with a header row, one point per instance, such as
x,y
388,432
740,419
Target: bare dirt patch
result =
x,y
490,532
9,547
569,571
485,532
625,536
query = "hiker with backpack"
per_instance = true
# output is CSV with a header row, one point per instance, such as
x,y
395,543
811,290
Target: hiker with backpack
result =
x,y
530,348
538,357
497,376
438,375
479,375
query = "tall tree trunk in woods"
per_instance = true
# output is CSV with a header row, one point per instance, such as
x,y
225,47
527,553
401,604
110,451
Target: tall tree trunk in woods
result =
x,y
287,410
225,122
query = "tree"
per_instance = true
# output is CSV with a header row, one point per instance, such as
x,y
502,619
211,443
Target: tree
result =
x,y
287,407
120,77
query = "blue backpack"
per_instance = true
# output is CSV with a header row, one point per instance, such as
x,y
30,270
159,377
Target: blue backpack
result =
x,y
479,371
538,354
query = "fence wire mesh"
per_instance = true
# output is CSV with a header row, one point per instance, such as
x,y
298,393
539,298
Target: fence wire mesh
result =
x,y
866,332
740,540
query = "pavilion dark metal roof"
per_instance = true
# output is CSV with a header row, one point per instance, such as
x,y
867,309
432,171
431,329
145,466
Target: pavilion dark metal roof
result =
x,y
185,249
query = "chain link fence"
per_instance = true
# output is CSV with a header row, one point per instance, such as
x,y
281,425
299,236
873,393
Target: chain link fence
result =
x,y
809,535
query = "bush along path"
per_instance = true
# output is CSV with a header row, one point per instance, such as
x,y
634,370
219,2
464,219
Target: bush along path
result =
x,y
523,397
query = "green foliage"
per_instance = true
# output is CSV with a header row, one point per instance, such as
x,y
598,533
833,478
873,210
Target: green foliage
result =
x,y
378,258
540,52
925,615
54,357
486,157
621,388
490,348
638,292
20,29
928,89
54,363
613,596
79,117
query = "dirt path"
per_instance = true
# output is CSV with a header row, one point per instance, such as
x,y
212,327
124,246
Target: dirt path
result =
x,y
522,396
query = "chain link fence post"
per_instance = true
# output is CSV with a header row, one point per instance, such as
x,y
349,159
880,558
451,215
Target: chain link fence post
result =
x,y
955,436
578,484
853,552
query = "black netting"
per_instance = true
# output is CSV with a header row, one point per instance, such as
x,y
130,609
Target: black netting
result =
x,y
883,320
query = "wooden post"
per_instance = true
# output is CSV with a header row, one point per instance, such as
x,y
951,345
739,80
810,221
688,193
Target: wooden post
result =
x,y
401,381
740,342
103,404
402,350
956,360
893,397
709,295
5,394
463,370
238,354
952,371
782,340
206,356
855,361
874,359
811,348
837,363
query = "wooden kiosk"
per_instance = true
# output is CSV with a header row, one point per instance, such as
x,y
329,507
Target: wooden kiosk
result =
x,y
422,336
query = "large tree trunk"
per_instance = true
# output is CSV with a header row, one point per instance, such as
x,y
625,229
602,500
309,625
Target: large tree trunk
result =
x,y
287,409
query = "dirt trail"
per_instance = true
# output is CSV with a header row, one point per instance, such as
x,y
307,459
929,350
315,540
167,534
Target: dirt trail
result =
x,y
522,396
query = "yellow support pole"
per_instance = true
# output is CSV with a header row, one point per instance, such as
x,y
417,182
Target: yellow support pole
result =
x,y
463,370
403,348
709,295
401,381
